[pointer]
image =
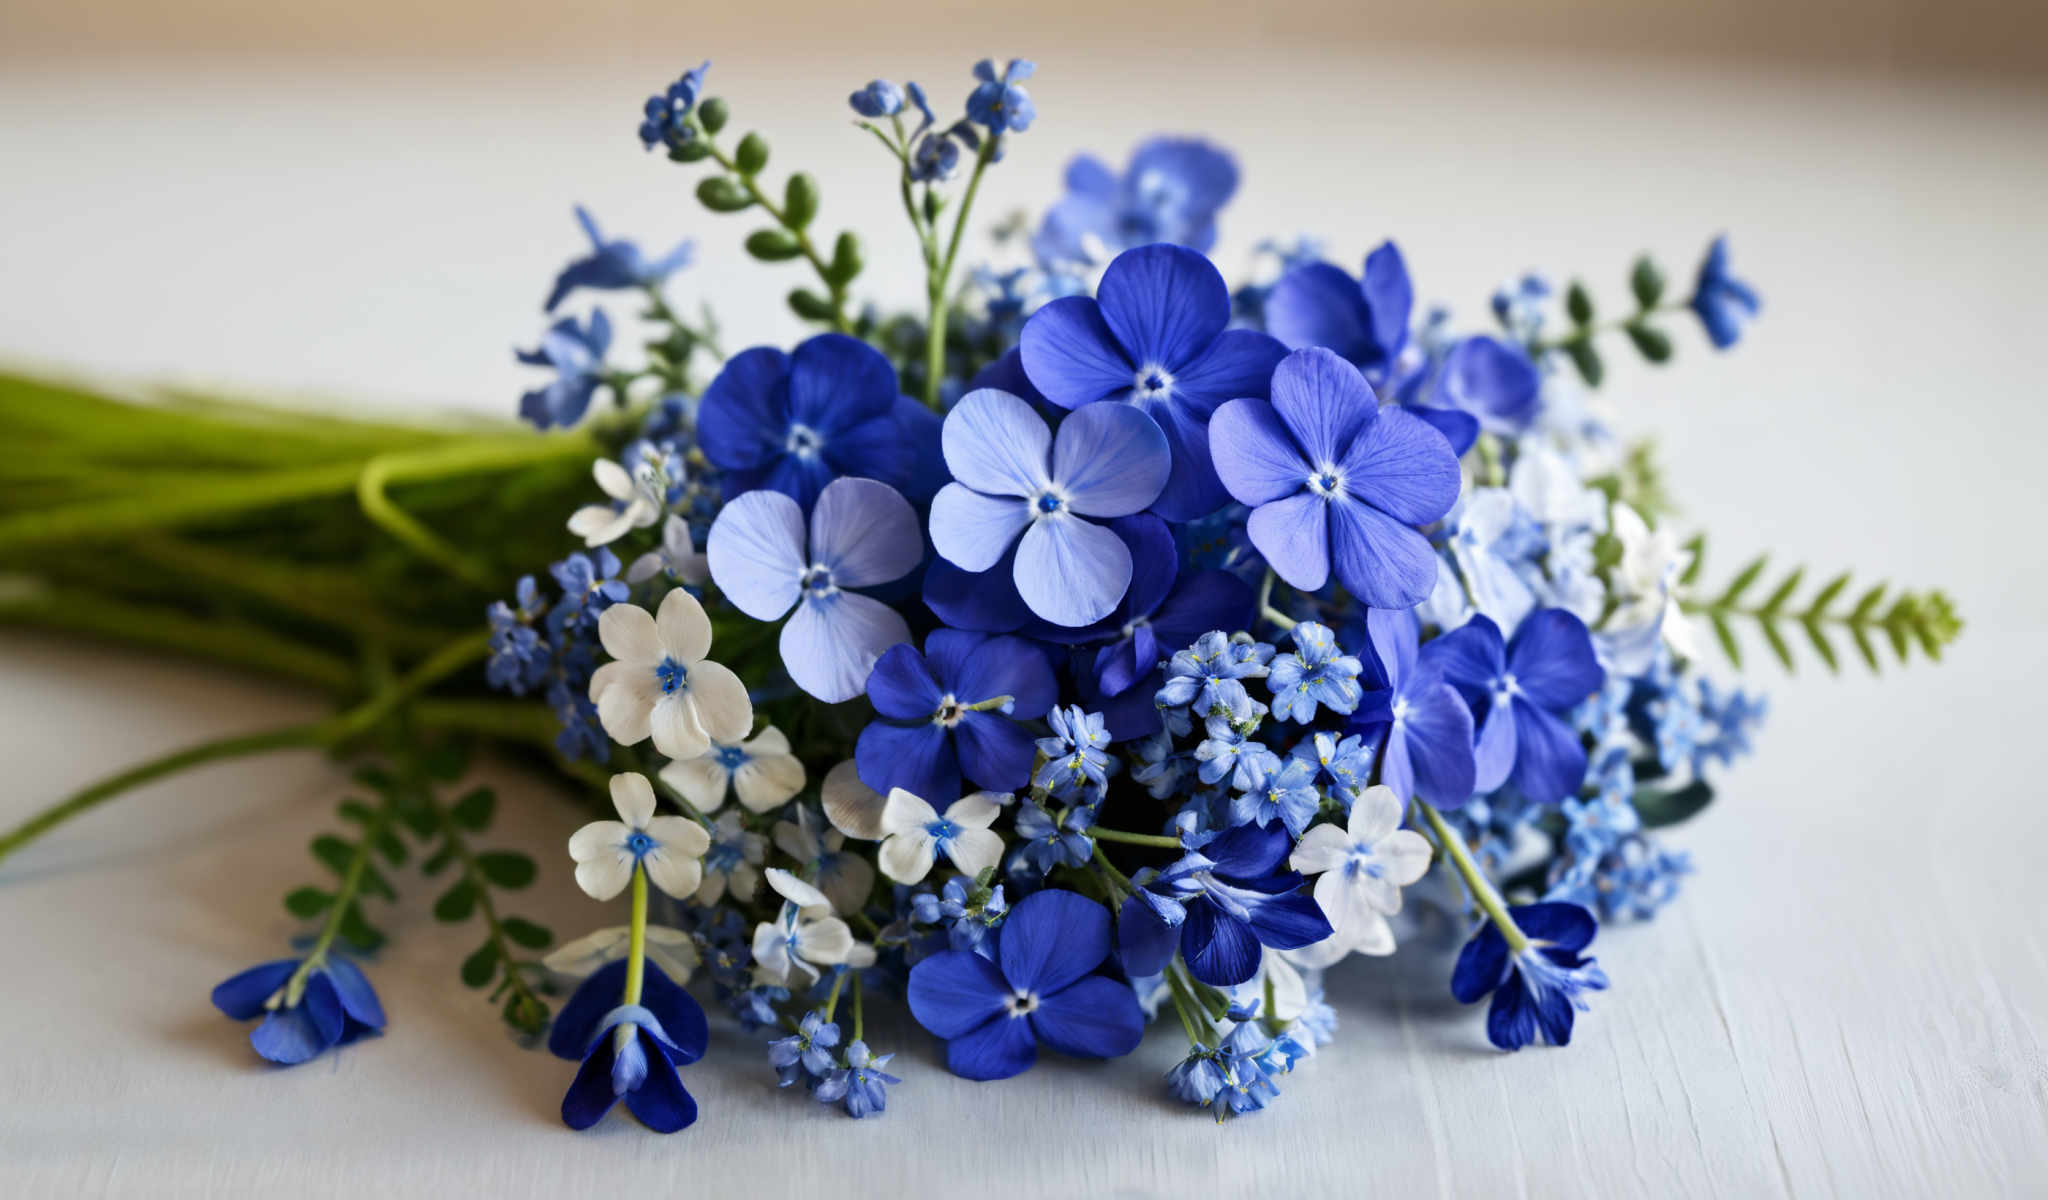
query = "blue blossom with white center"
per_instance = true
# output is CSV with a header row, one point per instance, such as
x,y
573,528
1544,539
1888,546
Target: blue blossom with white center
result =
x,y
1209,676
1419,726
1336,484
1170,192
806,1055
1317,672
1075,754
1041,986
1343,763
1537,989
576,352
1047,843
860,1083
306,1010
1017,482
629,1052
954,712
1521,692
1154,338
615,265
1230,753
1721,301
861,533
878,99
1219,905
998,103
665,118
794,422
1287,795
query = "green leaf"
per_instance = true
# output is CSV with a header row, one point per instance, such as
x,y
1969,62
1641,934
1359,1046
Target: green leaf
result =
x,y
355,810
446,762
1741,582
810,305
478,968
456,903
473,811
334,853
1784,591
392,847
1778,646
1725,636
526,933
377,779
1579,304
374,883
723,193
506,868
847,259
526,1012
1659,808
1819,638
1651,342
694,150
1826,596
1867,604
307,902
1864,647
752,155
1647,282
1587,362
358,932
773,245
1696,548
713,113
800,200
438,861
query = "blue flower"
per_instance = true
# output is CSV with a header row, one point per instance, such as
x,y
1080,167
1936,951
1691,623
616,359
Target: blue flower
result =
x,y
935,157
332,1004
1224,901
576,352
629,1051
1075,753
1521,694
1722,301
1537,989
611,266
1336,483
1016,482
794,422
998,104
1287,795
1048,844
1519,306
1229,750
1318,672
943,713
1208,677
1730,718
859,1083
1492,380
1170,192
520,660
1154,338
666,117
1039,987
1162,767
1345,763
879,98
807,1054
861,534
1420,727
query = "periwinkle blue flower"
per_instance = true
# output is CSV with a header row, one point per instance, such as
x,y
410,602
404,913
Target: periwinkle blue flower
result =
x,y
1492,380
332,1005
934,158
1170,192
1521,693
576,352
1336,483
1075,754
860,1084
1286,794
1318,672
997,103
1420,727
629,1051
1155,337
1219,904
1039,987
878,99
806,1055
614,265
1208,676
1539,989
1229,753
1344,763
1046,843
941,715
795,422
666,116
1721,301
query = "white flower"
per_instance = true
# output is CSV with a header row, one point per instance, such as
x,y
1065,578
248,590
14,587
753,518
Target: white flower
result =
x,y
668,847
805,937
733,861
660,683
762,771
678,556
639,504
670,949
846,879
1646,582
854,808
914,835
1363,867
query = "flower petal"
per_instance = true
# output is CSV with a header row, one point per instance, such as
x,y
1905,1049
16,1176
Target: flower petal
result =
x,y
976,668
723,709
1439,740
1321,848
743,417
1324,403
293,1035
1374,815
1320,304
625,695
907,857
660,1102
1381,562
1220,949
674,723
685,632
1238,364
757,553
1254,453
627,633
994,751
1401,466
1070,571
1289,922
971,530
997,1049
985,601
1553,659
1097,1017
767,781
598,839
605,877
1550,761
865,531
1293,535
675,873
853,808
1070,354
996,445
633,798
836,381
1494,750
919,758
701,780
1052,938
1111,460
1164,303
243,996
954,991
902,686
832,643
975,850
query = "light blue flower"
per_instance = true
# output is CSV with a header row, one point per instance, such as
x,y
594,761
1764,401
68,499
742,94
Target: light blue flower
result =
x,y
665,118
860,1082
1317,672
1210,675
997,103
576,352
879,98
1076,753
614,265
1721,301
806,1055
1287,795
1230,753
1170,192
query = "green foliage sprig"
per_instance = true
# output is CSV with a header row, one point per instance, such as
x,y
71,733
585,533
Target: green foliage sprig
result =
x,y
1902,619
1647,291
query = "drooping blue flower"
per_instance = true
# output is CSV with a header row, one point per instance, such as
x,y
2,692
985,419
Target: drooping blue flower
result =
x,y
1317,672
1492,380
1420,727
860,1083
879,98
1016,482
332,1005
938,717
629,1051
576,352
1721,301
1207,678
1287,795
665,118
1198,1078
1076,753
1154,338
1521,694
1039,987
1170,192
614,265
1219,904
998,104
794,422
1336,483
806,1055
861,533
1539,989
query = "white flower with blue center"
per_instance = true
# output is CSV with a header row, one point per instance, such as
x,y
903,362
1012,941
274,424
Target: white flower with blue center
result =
x,y
914,835
1363,868
671,950
659,683
790,950
761,770
1646,583
668,847
637,503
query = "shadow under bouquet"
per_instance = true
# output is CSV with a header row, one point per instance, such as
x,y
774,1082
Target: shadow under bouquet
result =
x,y
1101,646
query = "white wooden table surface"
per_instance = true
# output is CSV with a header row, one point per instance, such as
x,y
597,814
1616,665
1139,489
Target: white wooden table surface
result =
x,y
1849,999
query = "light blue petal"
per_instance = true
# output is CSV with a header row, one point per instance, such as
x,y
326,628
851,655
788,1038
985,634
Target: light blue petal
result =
x,y
1111,459
1403,467
1324,402
1294,537
1254,454
1069,571
832,643
865,531
996,445
756,553
971,530
1380,561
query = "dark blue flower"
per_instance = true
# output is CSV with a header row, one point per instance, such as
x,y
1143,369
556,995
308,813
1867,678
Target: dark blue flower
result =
x,y
1539,989
1318,672
666,116
1224,900
879,98
1521,694
1420,726
611,266
1170,192
938,718
332,1004
1155,337
1722,301
1040,987
576,352
795,422
629,1051
860,1083
997,103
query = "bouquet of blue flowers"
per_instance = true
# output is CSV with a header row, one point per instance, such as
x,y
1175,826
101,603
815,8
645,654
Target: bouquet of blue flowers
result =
x,y
1097,642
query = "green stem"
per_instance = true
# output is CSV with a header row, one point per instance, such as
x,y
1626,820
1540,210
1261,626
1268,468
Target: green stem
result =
x,y
1266,608
836,287
832,997
1134,839
1183,993
858,1025
1476,883
935,284
636,950
1117,878
1586,333
494,927
463,458
235,643
344,898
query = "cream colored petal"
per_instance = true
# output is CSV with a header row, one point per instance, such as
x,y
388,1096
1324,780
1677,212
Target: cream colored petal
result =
x,y
1406,855
767,782
685,632
906,811
825,941
797,892
906,857
848,883
626,705
699,780
679,835
633,797
722,708
853,808
598,839
612,479
769,741
1322,848
603,878
978,811
1375,814
677,874
976,850
628,634
589,952
672,721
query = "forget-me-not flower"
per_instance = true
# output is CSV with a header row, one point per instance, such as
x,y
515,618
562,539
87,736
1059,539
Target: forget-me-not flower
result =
x,y
665,118
637,503
607,852
1286,793
1721,301
1076,754
1317,672
859,1084
614,265
879,98
997,103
